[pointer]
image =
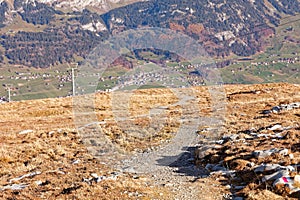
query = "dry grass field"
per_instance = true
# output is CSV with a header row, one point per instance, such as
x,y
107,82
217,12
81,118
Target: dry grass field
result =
x,y
64,169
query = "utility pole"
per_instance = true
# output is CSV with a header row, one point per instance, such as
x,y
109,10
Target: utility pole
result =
x,y
73,77
73,82
8,90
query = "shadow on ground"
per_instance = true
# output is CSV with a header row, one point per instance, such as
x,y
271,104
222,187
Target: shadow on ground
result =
x,y
184,164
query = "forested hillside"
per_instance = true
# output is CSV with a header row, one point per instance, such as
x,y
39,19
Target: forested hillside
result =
x,y
223,28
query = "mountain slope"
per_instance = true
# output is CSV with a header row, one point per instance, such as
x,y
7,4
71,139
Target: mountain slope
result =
x,y
223,28
79,5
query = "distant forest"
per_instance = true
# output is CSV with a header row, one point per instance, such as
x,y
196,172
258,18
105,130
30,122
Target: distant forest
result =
x,y
63,39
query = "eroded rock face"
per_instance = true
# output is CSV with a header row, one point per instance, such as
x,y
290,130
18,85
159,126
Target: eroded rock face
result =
x,y
104,5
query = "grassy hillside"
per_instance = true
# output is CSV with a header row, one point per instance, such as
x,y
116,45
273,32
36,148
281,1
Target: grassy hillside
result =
x,y
52,147
280,61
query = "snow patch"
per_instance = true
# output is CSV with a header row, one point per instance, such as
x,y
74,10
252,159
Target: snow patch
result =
x,y
94,27
117,20
225,35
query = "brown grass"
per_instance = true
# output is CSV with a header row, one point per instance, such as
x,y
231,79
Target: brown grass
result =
x,y
54,143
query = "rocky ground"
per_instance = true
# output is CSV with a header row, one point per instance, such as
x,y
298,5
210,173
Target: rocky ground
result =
x,y
44,156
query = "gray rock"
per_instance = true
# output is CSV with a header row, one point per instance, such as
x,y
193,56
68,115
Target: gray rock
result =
x,y
269,152
238,198
25,176
74,162
25,132
100,178
284,152
276,175
219,168
14,187
276,109
267,167
239,187
275,127
94,175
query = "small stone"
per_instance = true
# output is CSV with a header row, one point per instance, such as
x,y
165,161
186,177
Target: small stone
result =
x,y
275,127
220,141
276,175
266,167
297,179
169,185
25,132
276,109
94,175
266,153
51,133
100,178
284,152
75,162
265,112
25,176
38,182
238,198
209,166
14,187
250,164
239,187
87,180
228,186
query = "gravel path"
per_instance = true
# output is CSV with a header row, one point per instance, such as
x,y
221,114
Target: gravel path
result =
x,y
170,165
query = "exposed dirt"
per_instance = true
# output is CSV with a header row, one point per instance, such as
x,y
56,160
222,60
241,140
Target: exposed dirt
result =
x,y
66,170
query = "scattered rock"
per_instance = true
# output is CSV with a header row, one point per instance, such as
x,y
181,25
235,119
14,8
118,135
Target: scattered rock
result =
x,y
275,175
206,150
238,198
268,167
275,127
286,185
38,182
14,187
25,132
283,107
75,162
266,153
246,162
25,176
